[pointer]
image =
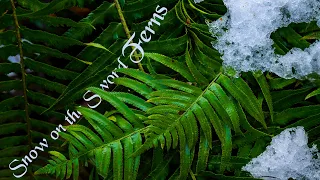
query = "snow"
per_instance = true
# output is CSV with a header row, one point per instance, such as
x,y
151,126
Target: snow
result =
x,y
288,156
243,36
14,59
198,1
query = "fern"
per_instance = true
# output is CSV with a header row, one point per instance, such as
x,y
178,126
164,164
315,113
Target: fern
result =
x,y
119,141
22,115
180,116
192,112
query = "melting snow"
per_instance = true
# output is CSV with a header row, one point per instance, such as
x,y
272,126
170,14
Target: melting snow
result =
x,y
243,36
288,156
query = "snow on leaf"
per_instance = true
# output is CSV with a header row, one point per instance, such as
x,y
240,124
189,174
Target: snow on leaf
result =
x,y
288,156
244,36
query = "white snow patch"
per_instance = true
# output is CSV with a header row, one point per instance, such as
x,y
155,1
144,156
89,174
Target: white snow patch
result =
x,y
198,1
288,156
12,74
14,59
243,36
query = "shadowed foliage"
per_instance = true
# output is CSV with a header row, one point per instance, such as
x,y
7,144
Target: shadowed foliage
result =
x,y
176,115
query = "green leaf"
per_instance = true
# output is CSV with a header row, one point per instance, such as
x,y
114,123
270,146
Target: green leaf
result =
x,y
313,93
266,91
287,98
228,105
52,7
122,108
32,48
242,92
312,35
90,75
94,18
53,40
203,154
117,150
170,47
226,149
34,5
291,114
173,64
97,45
195,73
280,83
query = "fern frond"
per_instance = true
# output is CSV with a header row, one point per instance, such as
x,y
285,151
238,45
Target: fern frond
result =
x,y
95,18
181,102
190,106
117,139
53,7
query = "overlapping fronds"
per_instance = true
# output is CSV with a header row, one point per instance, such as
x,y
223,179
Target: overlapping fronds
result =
x,y
225,115
30,82
110,145
179,117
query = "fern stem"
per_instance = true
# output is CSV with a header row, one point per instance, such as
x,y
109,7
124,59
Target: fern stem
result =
x,y
127,31
23,72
